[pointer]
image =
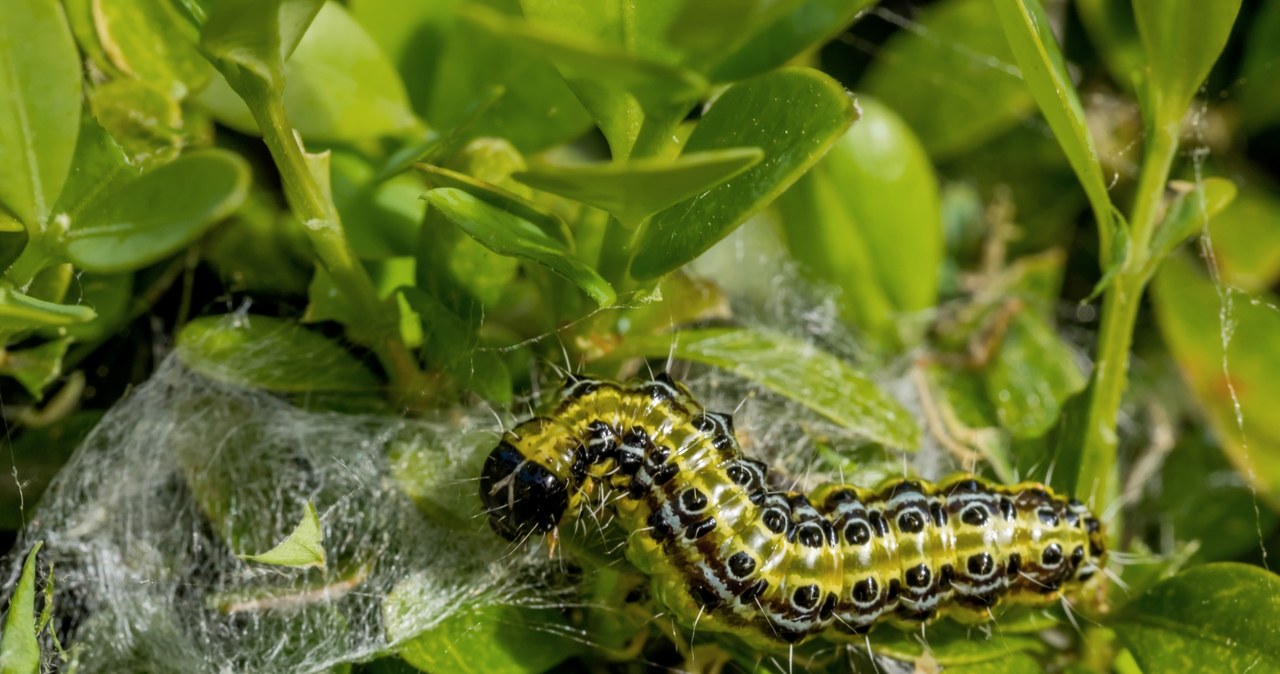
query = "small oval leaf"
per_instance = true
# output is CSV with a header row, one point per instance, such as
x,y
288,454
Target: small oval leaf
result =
x,y
794,115
159,213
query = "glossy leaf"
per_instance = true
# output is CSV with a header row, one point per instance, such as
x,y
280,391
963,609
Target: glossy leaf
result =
x,y
39,107
302,548
794,115
951,78
19,311
623,90
510,235
150,41
1032,377
251,39
805,27
1225,617
159,213
634,190
1190,312
13,240
867,220
36,367
500,197
1182,41
535,108
797,370
19,650
490,639
270,353
1045,72
340,86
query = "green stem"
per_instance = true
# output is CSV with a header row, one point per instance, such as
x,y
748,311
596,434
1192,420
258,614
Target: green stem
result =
x,y
1096,476
310,200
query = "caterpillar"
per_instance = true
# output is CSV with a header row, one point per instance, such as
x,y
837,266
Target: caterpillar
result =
x,y
778,567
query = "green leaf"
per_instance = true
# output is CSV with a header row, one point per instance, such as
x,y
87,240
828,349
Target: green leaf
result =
x,y
1203,499
797,370
951,78
1224,617
1192,212
23,312
501,198
36,367
488,639
100,167
13,240
340,85
794,115
39,107
1190,312
19,651
511,235
146,121
620,88
159,213
380,218
1032,376
1182,40
270,353
807,26
301,549
634,190
110,296
150,41
958,649
250,39
468,64
1246,234
867,220
1040,60
1114,34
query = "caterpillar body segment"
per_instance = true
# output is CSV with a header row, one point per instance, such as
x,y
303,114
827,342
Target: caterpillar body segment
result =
x,y
779,567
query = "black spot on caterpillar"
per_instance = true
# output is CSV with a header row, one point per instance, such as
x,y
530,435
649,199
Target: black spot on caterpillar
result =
x,y
776,567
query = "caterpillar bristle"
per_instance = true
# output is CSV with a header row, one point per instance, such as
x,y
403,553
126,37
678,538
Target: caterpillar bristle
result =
x,y
777,567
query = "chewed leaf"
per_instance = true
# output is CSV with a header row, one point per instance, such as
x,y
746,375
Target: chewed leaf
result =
x,y
270,353
797,370
636,189
794,115
19,650
1222,616
302,548
509,234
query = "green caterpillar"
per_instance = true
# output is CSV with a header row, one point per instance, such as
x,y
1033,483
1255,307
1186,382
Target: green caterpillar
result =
x,y
776,567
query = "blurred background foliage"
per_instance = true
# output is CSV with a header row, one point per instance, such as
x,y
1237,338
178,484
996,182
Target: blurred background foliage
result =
x,y
452,194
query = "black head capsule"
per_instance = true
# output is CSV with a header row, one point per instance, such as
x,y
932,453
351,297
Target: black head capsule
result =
x,y
521,497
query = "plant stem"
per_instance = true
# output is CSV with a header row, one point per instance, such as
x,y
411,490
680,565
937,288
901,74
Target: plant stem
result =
x,y
1096,476
377,323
